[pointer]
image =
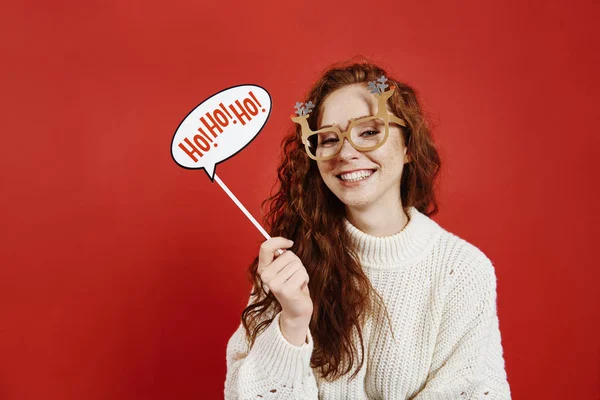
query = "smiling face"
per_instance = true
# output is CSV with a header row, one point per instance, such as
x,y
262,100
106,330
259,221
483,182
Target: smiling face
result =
x,y
382,187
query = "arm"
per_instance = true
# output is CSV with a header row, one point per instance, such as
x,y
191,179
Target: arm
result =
x,y
272,368
468,361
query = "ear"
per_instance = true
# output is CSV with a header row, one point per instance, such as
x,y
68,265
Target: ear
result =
x,y
407,157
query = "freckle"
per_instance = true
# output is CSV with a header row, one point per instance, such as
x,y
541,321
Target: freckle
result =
x,y
273,390
486,393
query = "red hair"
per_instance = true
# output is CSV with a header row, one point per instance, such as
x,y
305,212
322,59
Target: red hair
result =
x,y
304,210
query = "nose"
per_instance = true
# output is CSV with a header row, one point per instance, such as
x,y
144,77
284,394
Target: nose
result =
x,y
347,151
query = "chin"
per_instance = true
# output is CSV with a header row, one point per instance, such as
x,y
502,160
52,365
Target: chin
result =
x,y
354,201
358,199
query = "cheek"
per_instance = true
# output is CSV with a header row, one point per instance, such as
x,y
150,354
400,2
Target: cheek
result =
x,y
323,173
392,154
324,168
391,163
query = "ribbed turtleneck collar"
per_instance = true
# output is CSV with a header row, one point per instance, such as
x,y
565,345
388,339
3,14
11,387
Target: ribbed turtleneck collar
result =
x,y
398,250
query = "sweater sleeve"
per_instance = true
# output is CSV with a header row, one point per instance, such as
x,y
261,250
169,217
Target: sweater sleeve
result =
x,y
468,361
272,369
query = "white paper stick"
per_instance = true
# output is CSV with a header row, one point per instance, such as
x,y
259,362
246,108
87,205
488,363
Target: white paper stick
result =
x,y
241,207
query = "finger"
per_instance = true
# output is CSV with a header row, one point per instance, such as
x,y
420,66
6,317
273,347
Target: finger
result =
x,y
304,284
296,280
285,274
268,249
270,271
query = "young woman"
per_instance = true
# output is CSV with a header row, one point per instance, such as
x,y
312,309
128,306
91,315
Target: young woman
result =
x,y
372,299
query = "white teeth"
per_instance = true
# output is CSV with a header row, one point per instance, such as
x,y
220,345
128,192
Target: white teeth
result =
x,y
356,176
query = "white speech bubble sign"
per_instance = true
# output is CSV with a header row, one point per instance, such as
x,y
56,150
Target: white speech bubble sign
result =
x,y
220,127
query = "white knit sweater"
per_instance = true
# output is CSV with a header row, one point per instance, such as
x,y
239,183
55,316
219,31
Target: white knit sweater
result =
x,y
440,293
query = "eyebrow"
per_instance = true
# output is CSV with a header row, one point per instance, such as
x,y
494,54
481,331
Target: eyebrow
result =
x,y
349,121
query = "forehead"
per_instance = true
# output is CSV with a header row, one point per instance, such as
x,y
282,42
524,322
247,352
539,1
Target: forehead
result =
x,y
346,103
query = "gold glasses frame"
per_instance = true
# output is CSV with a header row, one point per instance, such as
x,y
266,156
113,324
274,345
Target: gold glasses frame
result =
x,y
382,113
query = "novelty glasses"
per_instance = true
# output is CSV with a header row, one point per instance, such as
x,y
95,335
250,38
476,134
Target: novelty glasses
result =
x,y
364,134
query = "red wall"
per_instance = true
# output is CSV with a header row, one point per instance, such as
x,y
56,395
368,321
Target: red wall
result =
x,y
122,275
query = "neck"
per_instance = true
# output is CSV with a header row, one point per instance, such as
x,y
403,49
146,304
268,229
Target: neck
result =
x,y
400,249
378,221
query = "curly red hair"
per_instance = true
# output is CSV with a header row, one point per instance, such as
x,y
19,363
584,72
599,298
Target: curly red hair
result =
x,y
304,210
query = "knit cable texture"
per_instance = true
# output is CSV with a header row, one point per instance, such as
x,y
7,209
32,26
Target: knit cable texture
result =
x,y
440,293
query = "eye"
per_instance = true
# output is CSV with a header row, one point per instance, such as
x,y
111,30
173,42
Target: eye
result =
x,y
326,141
369,132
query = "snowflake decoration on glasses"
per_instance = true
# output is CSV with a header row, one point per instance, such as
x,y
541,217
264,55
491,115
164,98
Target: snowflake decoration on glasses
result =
x,y
303,109
378,88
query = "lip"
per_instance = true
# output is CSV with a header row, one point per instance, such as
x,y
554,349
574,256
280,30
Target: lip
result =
x,y
356,183
354,170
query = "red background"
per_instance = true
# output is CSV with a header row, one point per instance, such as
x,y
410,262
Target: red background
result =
x,y
122,275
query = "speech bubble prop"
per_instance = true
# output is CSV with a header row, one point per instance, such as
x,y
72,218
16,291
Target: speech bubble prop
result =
x,y
219,128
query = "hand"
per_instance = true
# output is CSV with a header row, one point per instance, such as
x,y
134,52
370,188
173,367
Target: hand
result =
x,y
287,278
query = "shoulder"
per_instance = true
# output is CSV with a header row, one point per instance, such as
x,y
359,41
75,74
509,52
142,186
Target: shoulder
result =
x,y
451,253
464,264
